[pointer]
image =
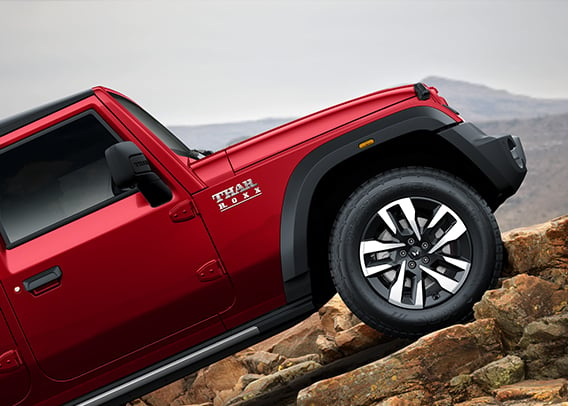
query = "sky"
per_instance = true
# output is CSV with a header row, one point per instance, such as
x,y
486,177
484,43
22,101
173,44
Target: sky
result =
x,y
197,62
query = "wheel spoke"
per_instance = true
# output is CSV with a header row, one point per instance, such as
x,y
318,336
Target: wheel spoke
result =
x,y
452,234
418,293
442,210
460,263
395,294
369,271
448,284
410,214
385,215
369,247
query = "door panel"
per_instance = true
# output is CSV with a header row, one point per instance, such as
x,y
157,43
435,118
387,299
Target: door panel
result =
x,y
14,376
128,279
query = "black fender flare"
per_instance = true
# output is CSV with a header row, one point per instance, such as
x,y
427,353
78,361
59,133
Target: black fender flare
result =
x,y
313,167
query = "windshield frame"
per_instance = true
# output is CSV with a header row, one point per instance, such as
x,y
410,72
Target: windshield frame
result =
x,y
157,128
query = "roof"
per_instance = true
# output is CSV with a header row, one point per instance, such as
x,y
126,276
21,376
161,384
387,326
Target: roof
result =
x,y
12,123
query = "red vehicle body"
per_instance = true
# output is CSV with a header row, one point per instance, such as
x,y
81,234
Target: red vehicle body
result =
x,y
118,296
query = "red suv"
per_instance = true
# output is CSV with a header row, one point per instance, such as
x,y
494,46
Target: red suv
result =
x,y
128,260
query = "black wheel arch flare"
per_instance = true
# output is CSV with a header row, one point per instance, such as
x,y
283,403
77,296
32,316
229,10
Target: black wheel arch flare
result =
x,y
309,172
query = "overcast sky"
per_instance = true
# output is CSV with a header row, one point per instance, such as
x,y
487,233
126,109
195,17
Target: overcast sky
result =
x,y
191,62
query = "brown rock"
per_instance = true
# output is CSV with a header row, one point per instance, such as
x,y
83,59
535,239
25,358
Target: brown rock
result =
x,y
505,371
271,382
539,250
335,316
215,383
328,349
413,398
545,347
480,401
462,387
296,341
424,365
245,380
542,391
290,362
358,338
522,300
165,395
262,362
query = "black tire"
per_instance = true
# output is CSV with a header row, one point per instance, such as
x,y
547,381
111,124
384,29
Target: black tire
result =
x,y
450,253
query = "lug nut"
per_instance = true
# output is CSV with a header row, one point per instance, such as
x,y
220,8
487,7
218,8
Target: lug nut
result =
x,y
425,260
424,245
412,264
403,253
411,241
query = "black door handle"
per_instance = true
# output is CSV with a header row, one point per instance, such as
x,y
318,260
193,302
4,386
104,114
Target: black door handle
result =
x,y
43,281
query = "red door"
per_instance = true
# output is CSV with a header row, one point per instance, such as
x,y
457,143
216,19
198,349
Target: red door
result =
x,y
95,274
14,375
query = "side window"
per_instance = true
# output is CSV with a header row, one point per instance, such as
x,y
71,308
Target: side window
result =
x,y
54,177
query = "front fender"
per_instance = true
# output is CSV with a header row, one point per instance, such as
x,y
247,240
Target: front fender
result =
x,y
314,166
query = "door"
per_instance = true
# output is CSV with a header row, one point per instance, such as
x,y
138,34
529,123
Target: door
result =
x,y
14,376
97,273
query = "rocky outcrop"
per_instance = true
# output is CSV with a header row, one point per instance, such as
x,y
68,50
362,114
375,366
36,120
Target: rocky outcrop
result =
x,y
518,343
515,352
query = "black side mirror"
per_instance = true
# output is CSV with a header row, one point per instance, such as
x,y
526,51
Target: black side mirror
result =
x,y
129,168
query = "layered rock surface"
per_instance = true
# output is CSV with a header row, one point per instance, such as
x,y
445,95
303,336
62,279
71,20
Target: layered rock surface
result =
x,y
515,352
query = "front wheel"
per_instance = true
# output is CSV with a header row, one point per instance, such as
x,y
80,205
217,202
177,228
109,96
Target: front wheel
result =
x,y
413,249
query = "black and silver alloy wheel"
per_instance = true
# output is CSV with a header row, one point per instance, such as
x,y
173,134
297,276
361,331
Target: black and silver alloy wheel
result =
x,y
413,249
415,252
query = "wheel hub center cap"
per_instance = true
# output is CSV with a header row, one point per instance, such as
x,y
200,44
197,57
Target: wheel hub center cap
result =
x,y
414,252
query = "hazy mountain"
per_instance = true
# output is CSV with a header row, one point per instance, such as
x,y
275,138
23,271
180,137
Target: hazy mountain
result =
x,y
481,103
543,130
218,136
543,194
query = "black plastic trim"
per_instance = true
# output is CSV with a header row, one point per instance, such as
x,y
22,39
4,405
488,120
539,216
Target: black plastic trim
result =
x,y
310,171
501,158
422,92
13,123
197,357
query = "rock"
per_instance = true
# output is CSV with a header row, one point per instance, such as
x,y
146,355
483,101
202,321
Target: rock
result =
x,y
290,362
271,382
545,347
539,250
216,383
480,401
335,316
425,365
166,395
505,371
521,300
358,338
541,391
413,398
328,349
245,380
262,362
462,387
296,341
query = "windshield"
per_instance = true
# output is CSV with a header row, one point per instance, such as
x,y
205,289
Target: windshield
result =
x,y
156,127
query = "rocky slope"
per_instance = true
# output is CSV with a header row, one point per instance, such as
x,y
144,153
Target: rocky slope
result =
x,y
514,352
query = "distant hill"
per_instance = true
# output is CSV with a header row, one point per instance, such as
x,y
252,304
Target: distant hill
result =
x,y
219,136
481,103
542,125
543,194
